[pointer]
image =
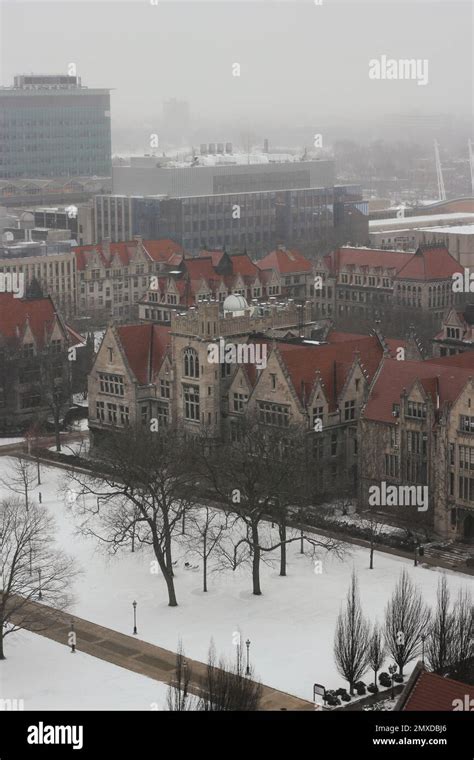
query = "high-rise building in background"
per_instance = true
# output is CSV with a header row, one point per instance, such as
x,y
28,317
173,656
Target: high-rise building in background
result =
x,y
52,126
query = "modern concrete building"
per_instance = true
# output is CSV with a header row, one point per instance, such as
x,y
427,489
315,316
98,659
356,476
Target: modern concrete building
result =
x,y
52,126
185,180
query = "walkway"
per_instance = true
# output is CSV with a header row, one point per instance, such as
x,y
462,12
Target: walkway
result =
x,y
132,653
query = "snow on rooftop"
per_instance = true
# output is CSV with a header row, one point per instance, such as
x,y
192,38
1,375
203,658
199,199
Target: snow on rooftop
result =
x,y
380,224
459,229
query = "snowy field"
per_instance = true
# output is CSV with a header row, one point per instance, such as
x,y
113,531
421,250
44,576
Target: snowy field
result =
x,y
291,626
46,676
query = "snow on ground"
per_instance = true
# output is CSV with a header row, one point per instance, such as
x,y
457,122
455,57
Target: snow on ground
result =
x,y
46,676
291,626
9,441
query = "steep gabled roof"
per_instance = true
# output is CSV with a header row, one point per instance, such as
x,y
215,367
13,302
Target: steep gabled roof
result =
x,y
145,347
40,313
430,264
285,261
436,378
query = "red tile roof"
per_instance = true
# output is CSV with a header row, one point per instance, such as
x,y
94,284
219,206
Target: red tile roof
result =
x,y
432,692
346,257
243,264
145,347
394,376
425,264
285,261
15,312
333,362
215,256
430,264
157,250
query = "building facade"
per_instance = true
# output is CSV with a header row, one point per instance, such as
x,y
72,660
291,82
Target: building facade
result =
x,y
257,221
52,126
416,430
36,364
363,282
51,265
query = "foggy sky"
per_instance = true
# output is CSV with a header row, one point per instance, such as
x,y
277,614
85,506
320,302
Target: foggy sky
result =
x,y
300,63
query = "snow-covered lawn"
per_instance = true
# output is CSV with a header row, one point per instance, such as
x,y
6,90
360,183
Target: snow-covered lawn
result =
x,y
46,676
291,626
10,441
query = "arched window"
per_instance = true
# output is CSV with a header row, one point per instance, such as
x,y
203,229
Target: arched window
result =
x,y
191,363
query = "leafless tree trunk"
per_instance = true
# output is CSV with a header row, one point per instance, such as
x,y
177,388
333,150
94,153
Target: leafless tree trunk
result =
x,y
259,476
351,641
143,491
205,529
406,620
376,651
20,532
21,479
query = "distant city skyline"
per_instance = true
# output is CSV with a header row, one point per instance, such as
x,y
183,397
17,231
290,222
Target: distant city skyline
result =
x,y
302,67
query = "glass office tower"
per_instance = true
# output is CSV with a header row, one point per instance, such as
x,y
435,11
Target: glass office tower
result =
x,y
52,126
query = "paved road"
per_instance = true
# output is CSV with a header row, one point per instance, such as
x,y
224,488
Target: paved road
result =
x,y
134,654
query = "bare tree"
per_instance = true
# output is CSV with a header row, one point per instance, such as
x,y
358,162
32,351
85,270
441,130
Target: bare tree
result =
x,y
439,645
227,687
376,651
21,478
463,634
375,531
140,491
24,535
248,475
351,640
56,387
178,698
406,621
205,529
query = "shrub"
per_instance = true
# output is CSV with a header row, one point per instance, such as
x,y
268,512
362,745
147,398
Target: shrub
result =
x,y
398,678
346,697
385,680
372,688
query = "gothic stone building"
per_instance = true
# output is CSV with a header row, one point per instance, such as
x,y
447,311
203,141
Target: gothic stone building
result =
x,y
417,428
153,372
34,358
363,282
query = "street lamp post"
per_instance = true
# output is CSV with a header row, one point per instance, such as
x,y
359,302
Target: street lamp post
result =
x,y
247,644
134,605
423,637
40,594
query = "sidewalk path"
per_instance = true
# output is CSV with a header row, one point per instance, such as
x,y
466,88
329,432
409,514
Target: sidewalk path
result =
x,y
134,654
